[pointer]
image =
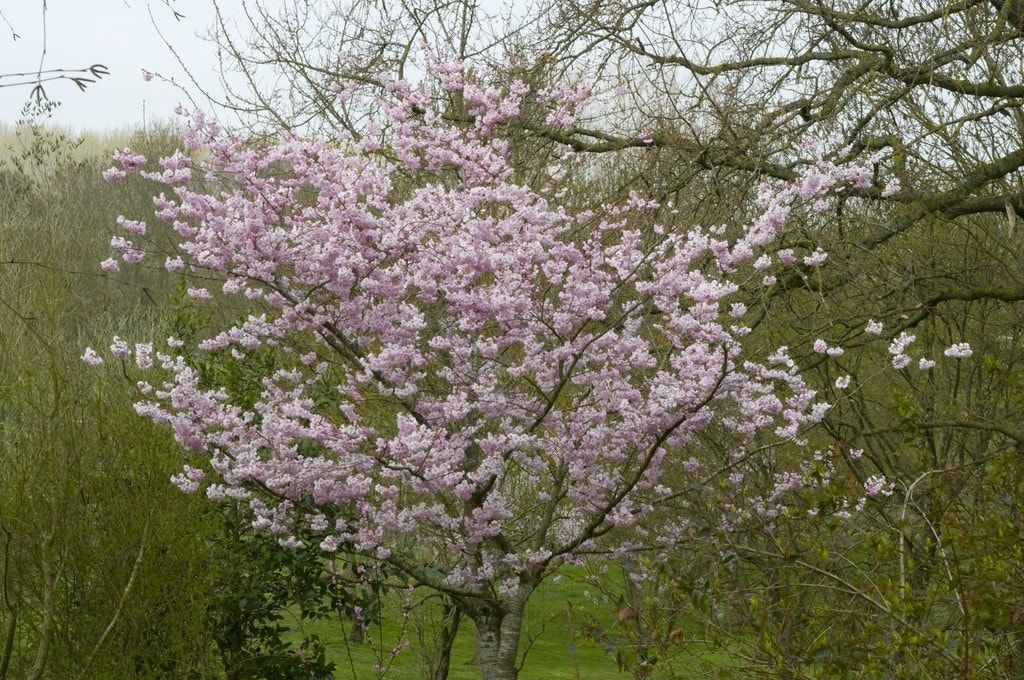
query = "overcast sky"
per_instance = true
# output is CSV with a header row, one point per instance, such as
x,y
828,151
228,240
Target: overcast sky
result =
x,y
119,34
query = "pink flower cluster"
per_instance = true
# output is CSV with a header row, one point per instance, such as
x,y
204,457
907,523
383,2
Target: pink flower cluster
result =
x,y
960,350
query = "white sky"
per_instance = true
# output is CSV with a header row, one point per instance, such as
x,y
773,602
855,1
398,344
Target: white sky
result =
x,y
119,34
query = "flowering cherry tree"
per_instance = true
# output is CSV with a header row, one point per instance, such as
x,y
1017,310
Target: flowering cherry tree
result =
x,y
474,381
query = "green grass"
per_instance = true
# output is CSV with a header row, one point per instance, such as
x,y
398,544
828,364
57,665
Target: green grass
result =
x,y
555,646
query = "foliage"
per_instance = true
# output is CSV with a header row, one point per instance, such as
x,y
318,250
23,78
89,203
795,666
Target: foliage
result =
x,y
248,622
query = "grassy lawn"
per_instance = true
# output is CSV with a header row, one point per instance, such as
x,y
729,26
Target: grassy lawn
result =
x,y
557,649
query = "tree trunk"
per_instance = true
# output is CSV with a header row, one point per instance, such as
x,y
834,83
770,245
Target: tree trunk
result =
x,y
357,634
498,632
450,620
491,640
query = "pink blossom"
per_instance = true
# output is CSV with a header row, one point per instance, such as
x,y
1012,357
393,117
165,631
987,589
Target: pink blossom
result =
x,y
189,479
822,347
816,258
129,161
561,118
960,350
842,382
110,266
119,348
176,161
818,412
133,226
143,355
133,255
892,188
925,364
898,345
876,485
814,183
91,357
873,327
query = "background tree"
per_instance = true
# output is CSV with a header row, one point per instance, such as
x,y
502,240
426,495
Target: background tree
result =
x,y
106,569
